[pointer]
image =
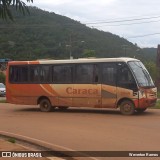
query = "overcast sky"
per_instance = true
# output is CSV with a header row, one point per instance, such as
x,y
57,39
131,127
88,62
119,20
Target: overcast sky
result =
x,y
126,18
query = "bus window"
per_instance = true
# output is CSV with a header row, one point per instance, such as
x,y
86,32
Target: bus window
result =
x,y
141,74
86,73
96,73
62,74
45,74
34,74
109,74
18,74
125,77
40,74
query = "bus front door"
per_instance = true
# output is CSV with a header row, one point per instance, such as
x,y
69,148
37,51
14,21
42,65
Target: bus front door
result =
x,y
109,88
109,96
126,84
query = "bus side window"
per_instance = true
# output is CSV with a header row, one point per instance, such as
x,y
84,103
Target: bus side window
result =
x,y
13,74
109,74
45,74
18,74
34,74
84,74
62,74
96,73
23,74
87,73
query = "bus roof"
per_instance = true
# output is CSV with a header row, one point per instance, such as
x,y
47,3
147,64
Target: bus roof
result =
x,y
81,60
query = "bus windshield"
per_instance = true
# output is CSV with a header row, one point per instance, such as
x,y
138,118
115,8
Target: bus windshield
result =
x,y
141,74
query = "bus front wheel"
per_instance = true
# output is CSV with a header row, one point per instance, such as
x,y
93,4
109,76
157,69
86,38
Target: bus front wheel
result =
x,y
45,105
127,107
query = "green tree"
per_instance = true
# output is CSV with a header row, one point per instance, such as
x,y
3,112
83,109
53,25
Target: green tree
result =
x,y
88,53
2,77
5,5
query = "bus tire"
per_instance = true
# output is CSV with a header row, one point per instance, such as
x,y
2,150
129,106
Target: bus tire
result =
x,y
140,110
127,107
45,105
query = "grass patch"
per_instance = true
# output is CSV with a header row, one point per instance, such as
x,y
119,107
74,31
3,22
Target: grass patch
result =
x,y
11,140
3,101
158,94
157,106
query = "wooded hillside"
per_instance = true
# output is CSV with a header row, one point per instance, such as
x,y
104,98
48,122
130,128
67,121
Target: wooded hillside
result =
x,y
47,35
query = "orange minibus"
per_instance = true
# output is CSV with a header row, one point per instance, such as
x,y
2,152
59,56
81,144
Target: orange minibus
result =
x,y
98,82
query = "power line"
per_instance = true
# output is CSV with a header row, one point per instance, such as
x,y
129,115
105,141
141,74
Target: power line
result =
x,y
127,24
143,35
127,20
120,18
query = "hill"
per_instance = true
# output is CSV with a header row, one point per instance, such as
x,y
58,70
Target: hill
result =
x,y
150,53
47,35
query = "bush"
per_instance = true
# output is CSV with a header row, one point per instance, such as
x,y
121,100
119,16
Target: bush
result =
x,y
2,78
11,140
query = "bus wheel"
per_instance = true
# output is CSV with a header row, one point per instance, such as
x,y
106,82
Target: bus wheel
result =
x,y
63,108
140,110
127,107
45,105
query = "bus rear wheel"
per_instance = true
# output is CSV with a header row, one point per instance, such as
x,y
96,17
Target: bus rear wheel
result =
x,y
45,105
127,107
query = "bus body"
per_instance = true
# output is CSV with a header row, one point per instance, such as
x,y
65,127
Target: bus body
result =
x,y
98,83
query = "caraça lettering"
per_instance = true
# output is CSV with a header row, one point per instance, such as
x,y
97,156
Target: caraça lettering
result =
x,y
71,90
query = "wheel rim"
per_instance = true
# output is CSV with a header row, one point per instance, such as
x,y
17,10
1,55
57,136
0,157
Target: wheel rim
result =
x,y
45,105
127,108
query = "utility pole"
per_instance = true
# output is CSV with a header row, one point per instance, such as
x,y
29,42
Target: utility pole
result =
x,y
158,67
125,49
70,51
70,47
71,43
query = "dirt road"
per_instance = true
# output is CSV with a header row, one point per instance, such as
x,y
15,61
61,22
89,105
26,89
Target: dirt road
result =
x,y
85,129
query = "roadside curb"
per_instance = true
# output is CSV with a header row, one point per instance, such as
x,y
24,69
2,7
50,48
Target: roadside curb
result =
x,y
41,145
